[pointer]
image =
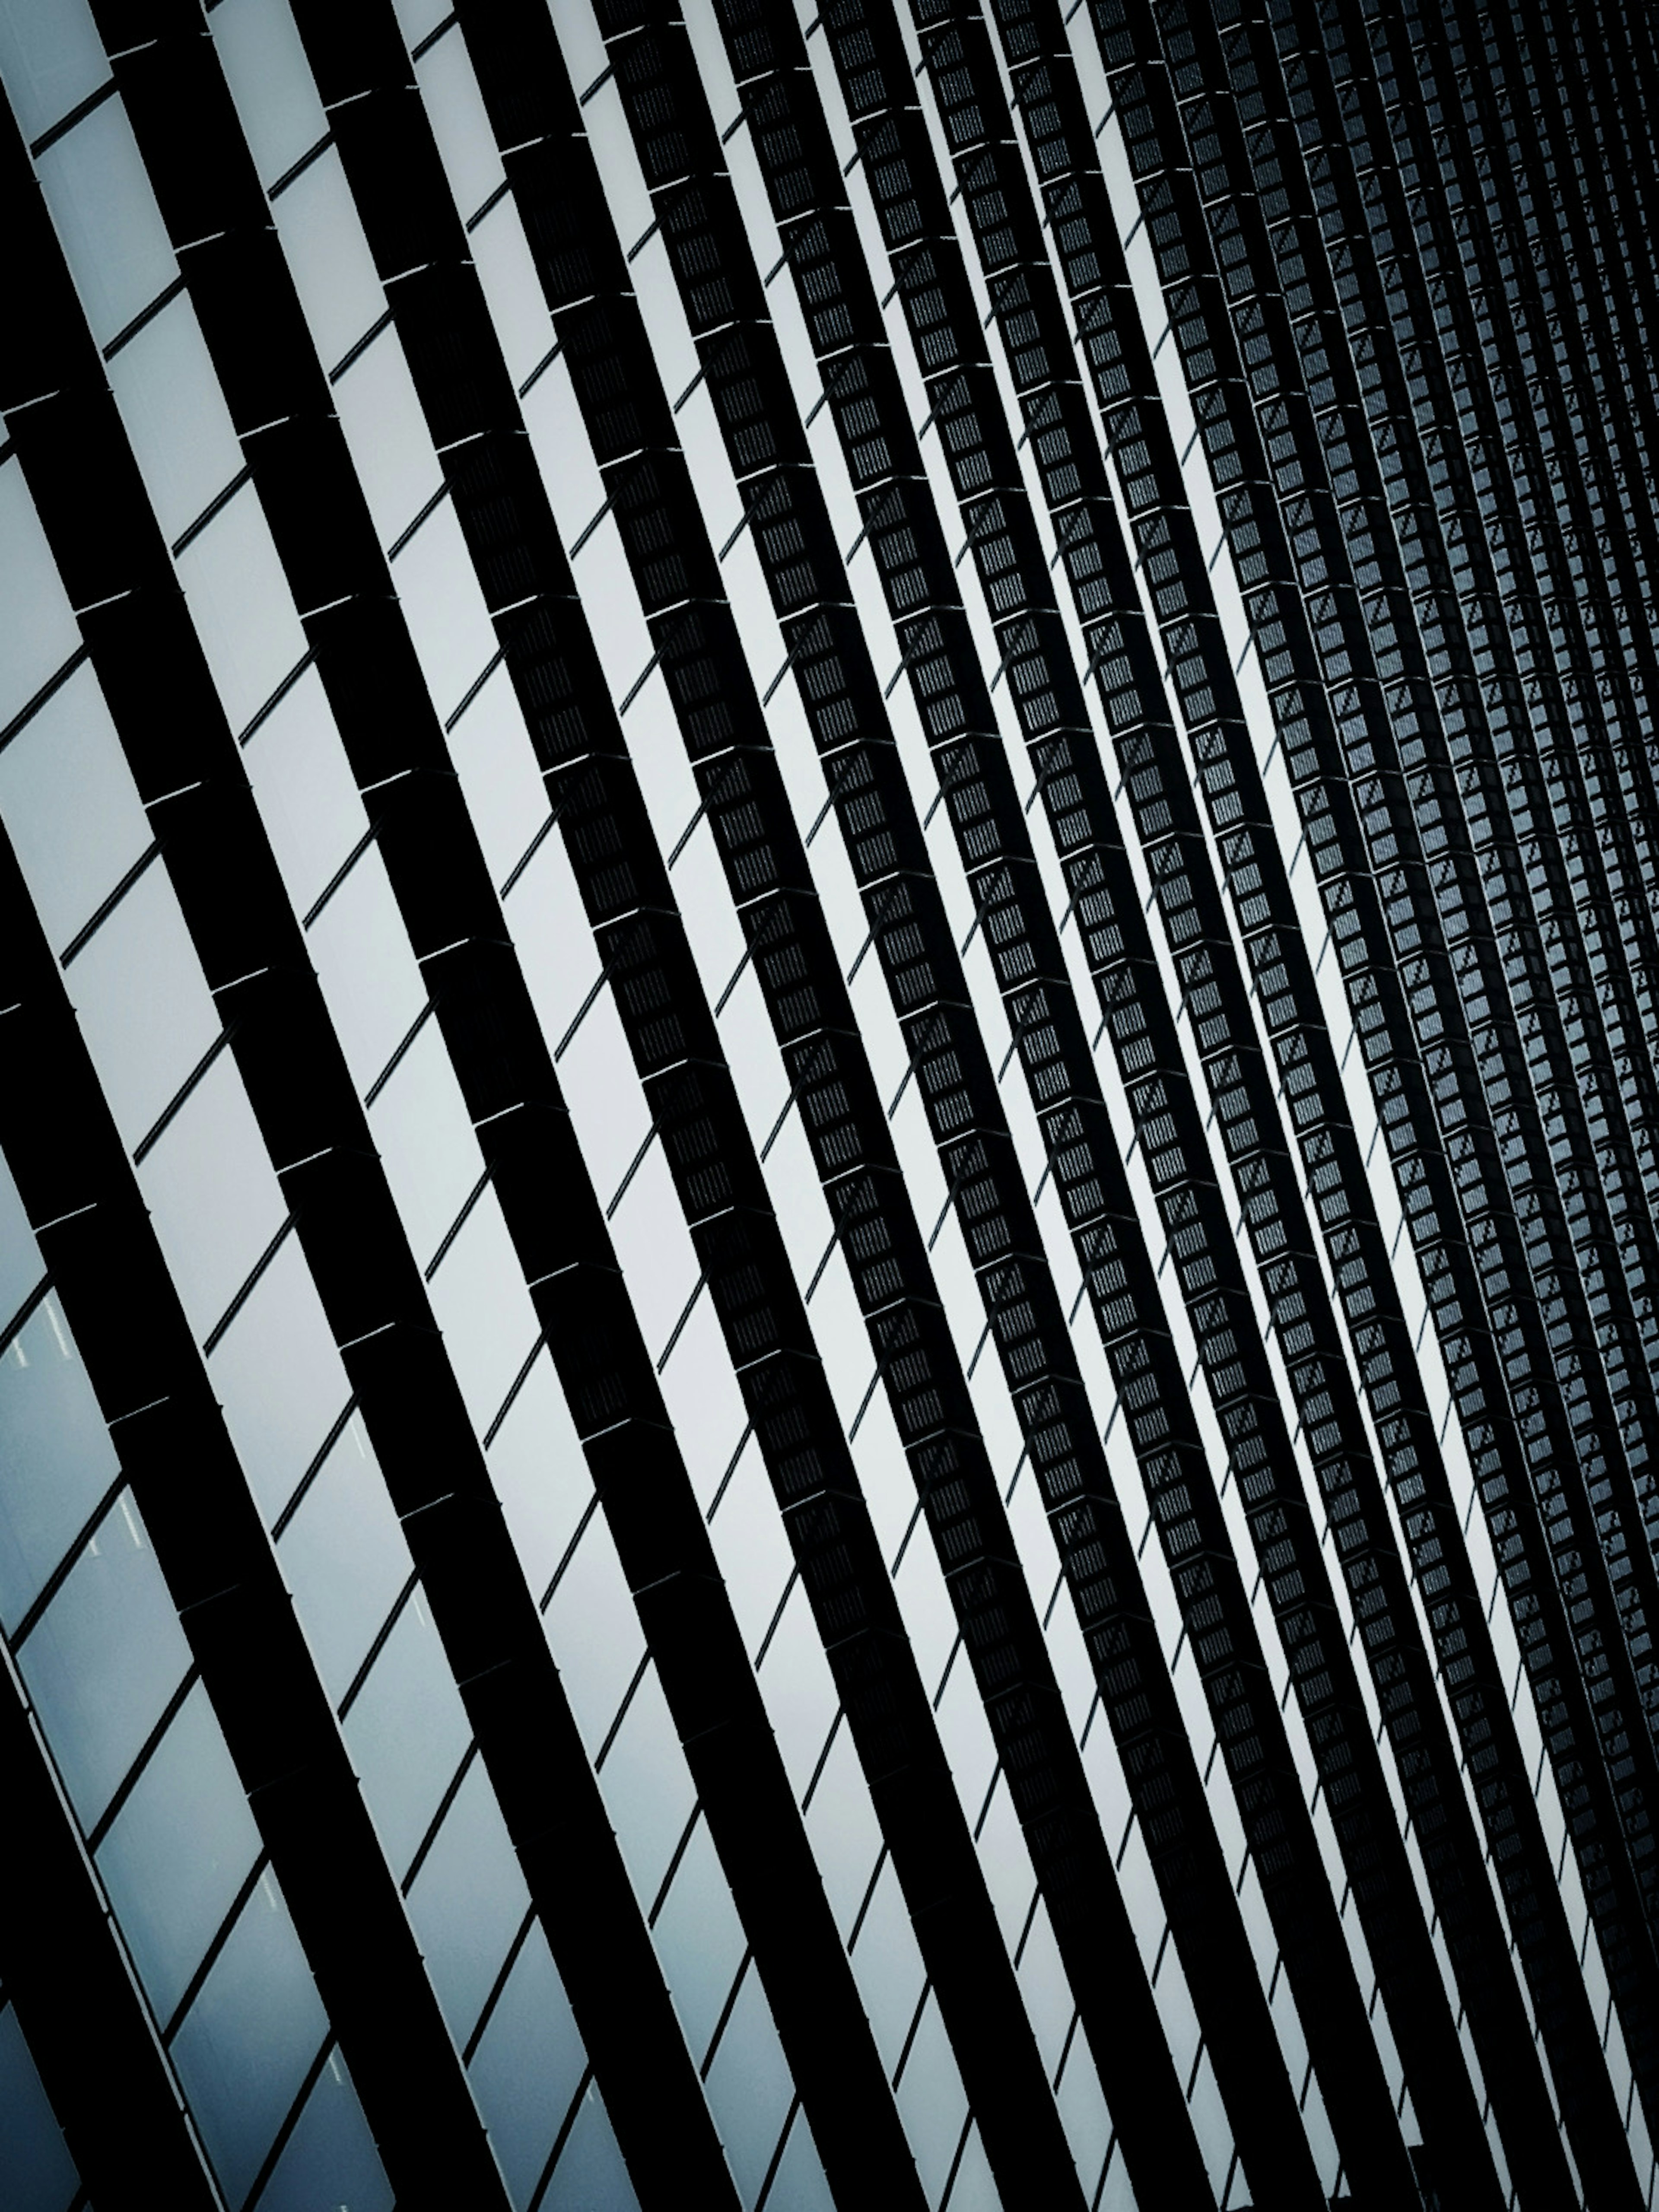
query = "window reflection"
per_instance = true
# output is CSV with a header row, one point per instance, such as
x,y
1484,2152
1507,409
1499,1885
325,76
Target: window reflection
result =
x,y
56,1457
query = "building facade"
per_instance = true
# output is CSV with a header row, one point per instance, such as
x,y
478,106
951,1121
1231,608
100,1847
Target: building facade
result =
x,y
830,977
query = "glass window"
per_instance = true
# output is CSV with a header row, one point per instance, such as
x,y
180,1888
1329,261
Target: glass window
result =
x,y
699,1940
240,601
107,221
799,2184
279,1378
931,2100
269,80
1046,1991
212,1194
975,2188
704,1402
423,1133
496,764
41,631
344,1558
56,1457
646,1786
603,1093
406,1731
21,1264
455,110
527,2067
484,1310
305,791
39,2174
453,637
590,2176
755,1556
594,1632
798,1689
844,1833
518,305
328,258
653,1246
369,976
540,1475
104,1658
551,933
1084,2114
244,2046
178,1851
380,413
51,59
888,1967
176,417
468,1902
748,2088
70,806
330,2160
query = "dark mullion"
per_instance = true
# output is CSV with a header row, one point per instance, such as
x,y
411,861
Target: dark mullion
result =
x,y
92,2040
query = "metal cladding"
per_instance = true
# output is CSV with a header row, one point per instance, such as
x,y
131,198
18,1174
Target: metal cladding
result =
x,y
829,1161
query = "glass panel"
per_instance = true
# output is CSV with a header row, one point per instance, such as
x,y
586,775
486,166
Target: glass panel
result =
x,y
305,791
330,2160
654,1248
344,1558
540,1476
527,2067
704,1403
845,1834
265,67
444,608
974,2188
931,2101
177,1852
590,2176
240,602
112,232
798,1690
755,1556
594,1632
518,306
70,806
368,974
1083,2113
143,1007
56,1457
505,794
381,413
243,2047
647,1785
468,1902
51,59
888,1968
39,2173
176,417
603,1093
212,1194
424,1136
456,112
406,1731
21,1264
798,2185
484,1311
279,1378
748,2088
329,259
41,632
104,1658
699,1940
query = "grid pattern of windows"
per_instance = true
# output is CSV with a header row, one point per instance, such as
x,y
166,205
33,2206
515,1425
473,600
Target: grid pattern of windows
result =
x,y
829,1169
